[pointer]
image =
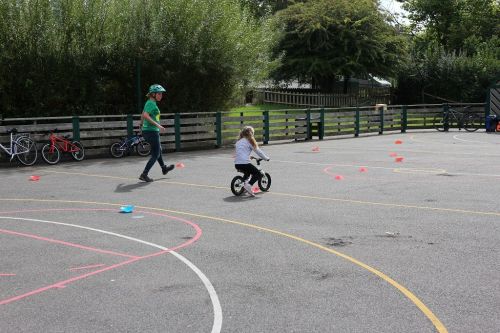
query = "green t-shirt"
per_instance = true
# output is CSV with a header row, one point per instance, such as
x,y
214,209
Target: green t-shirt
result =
x,y
151,108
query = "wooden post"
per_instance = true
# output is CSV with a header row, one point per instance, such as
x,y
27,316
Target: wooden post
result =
x,y
404,120
177,126
218,128
130,126
266,127
356,124
76,128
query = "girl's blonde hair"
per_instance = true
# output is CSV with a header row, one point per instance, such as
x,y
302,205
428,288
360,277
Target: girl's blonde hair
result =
x,y
247,132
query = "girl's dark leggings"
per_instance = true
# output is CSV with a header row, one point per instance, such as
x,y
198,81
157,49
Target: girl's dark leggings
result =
x,y
249,169
153,138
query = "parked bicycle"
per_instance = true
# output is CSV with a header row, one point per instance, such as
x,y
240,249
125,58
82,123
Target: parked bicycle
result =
x,y
51,152
127,145
452,118
238,181
21,146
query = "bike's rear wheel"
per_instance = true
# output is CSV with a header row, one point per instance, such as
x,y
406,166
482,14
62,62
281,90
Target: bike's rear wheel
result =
x,y
116,150
237,185
473,122
27,147
79,154
265,182
143,148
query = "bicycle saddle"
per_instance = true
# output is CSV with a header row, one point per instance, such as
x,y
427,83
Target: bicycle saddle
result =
x,y
12,130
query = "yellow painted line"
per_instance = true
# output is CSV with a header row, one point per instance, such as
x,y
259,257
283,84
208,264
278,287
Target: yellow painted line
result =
x,y
418,303
311,197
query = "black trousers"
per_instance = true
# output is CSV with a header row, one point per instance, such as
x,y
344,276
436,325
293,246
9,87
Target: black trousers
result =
x,y
153,138
249,169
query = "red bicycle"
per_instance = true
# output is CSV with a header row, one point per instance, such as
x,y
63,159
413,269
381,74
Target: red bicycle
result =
x,y
51,152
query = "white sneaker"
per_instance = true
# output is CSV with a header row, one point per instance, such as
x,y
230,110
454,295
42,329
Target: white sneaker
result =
x,y
248,188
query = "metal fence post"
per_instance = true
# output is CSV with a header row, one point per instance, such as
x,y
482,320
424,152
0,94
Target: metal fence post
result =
x,y
356,123
321,129
130,126
218,128
177,126
76,128
266,127
404,120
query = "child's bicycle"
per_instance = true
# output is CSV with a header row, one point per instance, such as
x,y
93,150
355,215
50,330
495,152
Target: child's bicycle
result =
x,y
238,181
22,147
126,145
51,152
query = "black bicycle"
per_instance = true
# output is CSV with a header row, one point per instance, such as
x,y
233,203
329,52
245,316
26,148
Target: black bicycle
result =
x,y
126,145
238,181
466,119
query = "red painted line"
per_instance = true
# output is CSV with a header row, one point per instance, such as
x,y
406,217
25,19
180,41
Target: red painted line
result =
x,y
86,267
7,274
66,243
62,284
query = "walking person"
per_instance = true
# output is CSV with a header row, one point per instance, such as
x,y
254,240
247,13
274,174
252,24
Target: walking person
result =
x,y
244,147
151,128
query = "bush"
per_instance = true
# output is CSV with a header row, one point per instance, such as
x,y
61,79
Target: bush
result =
x,y
80,57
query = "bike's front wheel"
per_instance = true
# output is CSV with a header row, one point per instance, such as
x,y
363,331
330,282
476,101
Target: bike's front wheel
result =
x,y
79,153
116,150
265,182
143,148
473,122
51,154
237,185
26,151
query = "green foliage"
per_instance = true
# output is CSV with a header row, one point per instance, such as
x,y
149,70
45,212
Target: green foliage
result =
x,y
326,38
454,22
455,51
450,76
79,56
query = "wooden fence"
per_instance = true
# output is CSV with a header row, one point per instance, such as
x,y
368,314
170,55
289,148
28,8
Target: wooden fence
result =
x,y
317,99
187,131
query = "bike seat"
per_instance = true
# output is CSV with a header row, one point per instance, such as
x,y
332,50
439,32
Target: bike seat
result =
x,y
12,130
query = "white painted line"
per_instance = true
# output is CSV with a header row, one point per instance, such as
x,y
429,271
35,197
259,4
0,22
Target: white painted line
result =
x,y
471,141
217,324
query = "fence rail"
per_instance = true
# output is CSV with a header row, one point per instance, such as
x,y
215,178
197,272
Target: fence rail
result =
x,y
317,99
208,130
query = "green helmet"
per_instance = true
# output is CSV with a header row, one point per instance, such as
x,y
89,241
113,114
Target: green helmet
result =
x,y
156,88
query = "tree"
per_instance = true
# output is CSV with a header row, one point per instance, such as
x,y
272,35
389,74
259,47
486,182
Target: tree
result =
x,y
455,24
326,38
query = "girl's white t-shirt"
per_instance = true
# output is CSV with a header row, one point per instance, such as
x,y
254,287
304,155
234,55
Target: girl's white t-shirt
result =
x,y
243,150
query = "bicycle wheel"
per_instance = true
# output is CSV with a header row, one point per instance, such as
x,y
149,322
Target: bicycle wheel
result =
x,y
27,150
237,185
265,182
473,122
51,155
80,153
438,123
116,150
143,148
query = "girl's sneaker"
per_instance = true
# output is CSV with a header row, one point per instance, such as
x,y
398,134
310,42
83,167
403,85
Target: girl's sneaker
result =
x,y
165,169
145,178
248,188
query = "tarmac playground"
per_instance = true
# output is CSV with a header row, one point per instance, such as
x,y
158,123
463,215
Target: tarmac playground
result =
x,y
349,238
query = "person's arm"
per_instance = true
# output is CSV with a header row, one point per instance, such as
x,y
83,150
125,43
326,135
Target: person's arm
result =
x,y
261,154
146,116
